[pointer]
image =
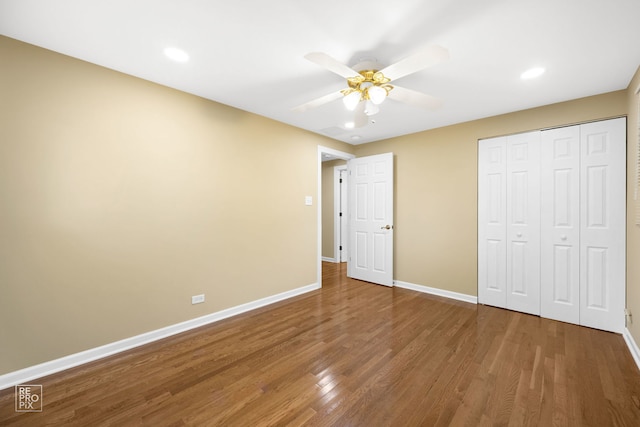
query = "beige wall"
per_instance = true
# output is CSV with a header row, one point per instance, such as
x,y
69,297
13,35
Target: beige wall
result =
x,y
328,245
633,231
120,199
436,188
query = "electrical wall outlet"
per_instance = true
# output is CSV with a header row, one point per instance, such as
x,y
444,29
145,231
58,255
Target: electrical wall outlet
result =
x,y
197,299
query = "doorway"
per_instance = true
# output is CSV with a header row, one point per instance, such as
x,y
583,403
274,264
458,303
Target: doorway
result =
x,y
325,154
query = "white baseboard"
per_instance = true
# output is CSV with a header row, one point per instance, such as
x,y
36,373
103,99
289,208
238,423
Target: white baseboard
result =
x,y
327,259
633,346
435,291
51,367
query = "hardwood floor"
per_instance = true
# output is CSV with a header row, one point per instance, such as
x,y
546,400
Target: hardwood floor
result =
x,y
354,354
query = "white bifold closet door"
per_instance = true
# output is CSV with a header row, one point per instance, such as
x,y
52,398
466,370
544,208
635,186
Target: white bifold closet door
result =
x,y
560,224
492,217
509,222
603,224
583,224
523,222
551,223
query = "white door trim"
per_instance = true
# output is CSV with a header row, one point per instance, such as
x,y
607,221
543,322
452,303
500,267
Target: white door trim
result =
x,y
337,208
341,155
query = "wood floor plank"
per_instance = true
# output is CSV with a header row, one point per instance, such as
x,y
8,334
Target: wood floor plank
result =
x,y
355,354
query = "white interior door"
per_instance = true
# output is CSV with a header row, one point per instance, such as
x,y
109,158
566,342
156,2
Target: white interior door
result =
x,y
492,230
602,234
560,224
371,219
523,222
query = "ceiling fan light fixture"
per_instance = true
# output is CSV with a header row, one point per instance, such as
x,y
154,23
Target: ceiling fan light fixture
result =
x,y
368,87
351,100
377,94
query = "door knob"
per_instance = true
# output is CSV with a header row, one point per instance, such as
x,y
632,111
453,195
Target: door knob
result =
x,y
519,234
386,227
563,237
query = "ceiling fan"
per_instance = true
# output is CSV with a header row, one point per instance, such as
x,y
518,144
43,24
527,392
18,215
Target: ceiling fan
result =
x,y
368,86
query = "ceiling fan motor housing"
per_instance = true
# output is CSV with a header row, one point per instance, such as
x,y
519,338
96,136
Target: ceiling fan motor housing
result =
x,y
367,80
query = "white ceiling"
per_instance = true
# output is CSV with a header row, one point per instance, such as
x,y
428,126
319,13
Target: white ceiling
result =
x,y
249,54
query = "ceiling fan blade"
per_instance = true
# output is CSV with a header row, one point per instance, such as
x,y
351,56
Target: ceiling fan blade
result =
x,y
414,98
427,57
331,64
317,102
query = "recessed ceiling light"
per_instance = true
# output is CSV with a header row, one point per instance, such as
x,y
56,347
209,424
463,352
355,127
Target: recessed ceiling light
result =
x,y
349,125
176,54
355,137
532,73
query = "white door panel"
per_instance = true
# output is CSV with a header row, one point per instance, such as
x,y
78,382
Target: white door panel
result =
x,y
509,222
523,222
492,270
602,257
560,224
371,211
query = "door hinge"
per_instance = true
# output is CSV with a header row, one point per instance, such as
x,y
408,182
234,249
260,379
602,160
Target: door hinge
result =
x,y
340,247
340,180
340,214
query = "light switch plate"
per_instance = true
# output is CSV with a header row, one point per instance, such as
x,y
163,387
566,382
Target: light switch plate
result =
x,y
308,200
